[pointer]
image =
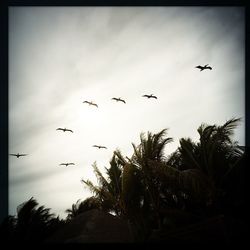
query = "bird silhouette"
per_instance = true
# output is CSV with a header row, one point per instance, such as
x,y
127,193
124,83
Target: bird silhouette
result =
x,y
18,155
91,103
150,96
203,67
65,129
67,164
118,99
97,146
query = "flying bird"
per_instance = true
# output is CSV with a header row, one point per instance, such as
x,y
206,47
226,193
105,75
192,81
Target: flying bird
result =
x,y
150,96
91,103
118,99
67,164
18,155
203,67
65,129
97,146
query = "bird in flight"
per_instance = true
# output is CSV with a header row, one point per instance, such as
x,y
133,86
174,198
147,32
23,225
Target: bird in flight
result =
x,y
18,155
118,99
67,164
65,129
91,103
150,96
97,146
203,67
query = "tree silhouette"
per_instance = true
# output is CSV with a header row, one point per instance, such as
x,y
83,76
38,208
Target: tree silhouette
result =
x,y
149,152
108,191
131,190
212,158
32,223
153,191
82,206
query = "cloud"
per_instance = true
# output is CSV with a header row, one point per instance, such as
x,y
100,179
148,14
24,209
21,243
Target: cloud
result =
x,y
61,56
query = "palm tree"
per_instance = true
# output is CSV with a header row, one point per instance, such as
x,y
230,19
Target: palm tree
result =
x,y
33,223
131,189
109,190
82,206
213,158
120,192
146,156
73,212
149,187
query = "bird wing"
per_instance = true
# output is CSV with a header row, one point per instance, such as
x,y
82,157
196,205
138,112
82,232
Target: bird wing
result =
x,y
69,130
209,67
121,100
103,147
114,99
71,163
146,96
22,154
63,164
14,154
85,102
95,146
153,96
94,104
59,129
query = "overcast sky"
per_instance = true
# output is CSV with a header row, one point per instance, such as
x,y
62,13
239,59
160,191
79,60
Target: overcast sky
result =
x,y
62,56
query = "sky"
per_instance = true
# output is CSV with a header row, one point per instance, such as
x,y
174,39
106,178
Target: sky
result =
x,y
62,56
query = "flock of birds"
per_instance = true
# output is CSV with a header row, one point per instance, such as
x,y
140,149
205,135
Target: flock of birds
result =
x,y
70,130
117,100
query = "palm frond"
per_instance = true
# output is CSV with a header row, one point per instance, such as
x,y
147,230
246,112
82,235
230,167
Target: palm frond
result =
x,y
186,149
175,160
94,189
136,157
159,143
100,178
26,209
229,126
114,175
191,181
120,157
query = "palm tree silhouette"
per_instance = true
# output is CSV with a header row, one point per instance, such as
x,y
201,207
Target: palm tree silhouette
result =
x,y
33,222
149,187
213,158
130,186
82,206
104,191
149,152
